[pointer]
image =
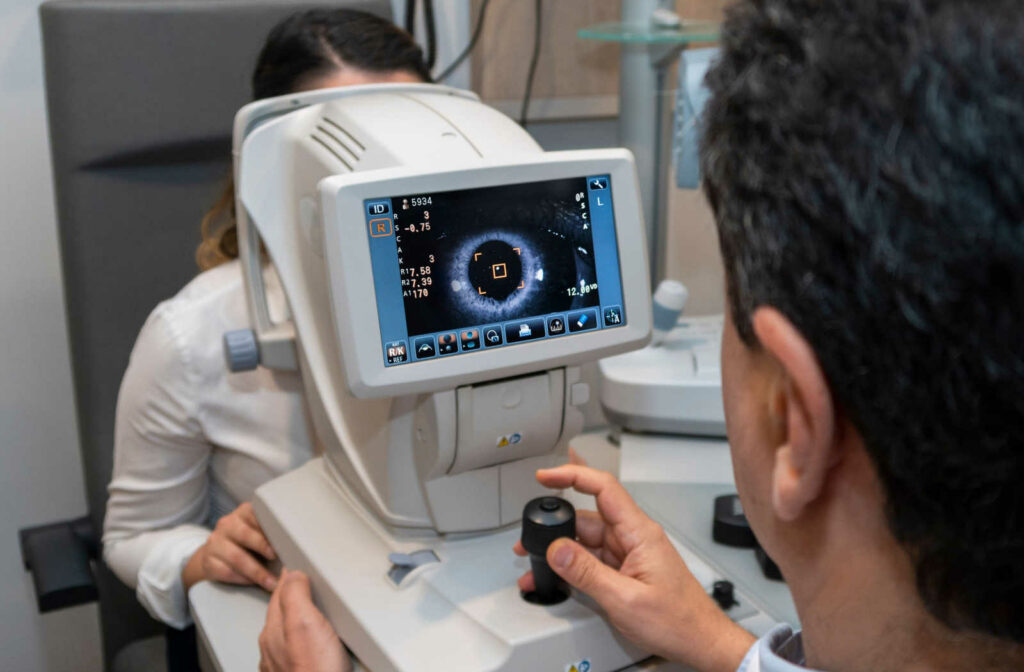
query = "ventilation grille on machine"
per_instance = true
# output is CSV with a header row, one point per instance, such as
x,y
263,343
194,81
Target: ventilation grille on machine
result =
x,y
340,143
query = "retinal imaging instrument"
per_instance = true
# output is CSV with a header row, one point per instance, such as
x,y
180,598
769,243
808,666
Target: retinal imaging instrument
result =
x,y
446,278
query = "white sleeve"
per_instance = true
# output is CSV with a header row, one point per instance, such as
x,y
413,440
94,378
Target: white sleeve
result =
x,y
159,493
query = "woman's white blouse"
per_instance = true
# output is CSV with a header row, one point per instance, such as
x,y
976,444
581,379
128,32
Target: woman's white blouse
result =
x,y
192,441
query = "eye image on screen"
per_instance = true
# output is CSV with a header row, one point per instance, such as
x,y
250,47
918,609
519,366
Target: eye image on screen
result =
x,y
495,254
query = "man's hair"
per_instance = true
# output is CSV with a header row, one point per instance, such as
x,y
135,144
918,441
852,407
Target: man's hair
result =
x,y
865,161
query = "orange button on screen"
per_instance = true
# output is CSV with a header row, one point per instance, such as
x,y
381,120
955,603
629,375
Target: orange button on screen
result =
x,y
381,227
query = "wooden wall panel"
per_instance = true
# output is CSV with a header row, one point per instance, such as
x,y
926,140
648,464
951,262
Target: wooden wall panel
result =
x,y
574,77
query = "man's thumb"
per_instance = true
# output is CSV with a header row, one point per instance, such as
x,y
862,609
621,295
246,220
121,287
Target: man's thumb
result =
x,y
583,571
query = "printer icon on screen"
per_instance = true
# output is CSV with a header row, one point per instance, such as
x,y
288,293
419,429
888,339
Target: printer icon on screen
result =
x,y
527,330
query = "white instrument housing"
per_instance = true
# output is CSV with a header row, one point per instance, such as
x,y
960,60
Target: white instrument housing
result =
x,y
429,457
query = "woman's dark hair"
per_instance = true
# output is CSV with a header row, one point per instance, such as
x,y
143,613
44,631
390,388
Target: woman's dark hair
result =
x,y
310,44
865,161
298,50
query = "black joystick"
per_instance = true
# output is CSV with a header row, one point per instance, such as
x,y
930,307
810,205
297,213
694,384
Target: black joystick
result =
x,y
544,520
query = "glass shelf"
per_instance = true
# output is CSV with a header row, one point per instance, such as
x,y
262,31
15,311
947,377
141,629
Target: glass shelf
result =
x,y
689,32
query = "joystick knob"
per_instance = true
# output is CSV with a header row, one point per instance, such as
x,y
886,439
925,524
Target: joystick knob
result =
x,y
544,520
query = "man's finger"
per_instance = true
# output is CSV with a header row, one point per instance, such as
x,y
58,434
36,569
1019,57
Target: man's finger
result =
x,y
583,571
296,594
613,501
527,583
574,457
518,548
302,620
608,557
590,528
271,640
272,627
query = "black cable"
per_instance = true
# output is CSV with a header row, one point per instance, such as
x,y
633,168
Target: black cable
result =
x,y
533,63
410,16
446,73
428,20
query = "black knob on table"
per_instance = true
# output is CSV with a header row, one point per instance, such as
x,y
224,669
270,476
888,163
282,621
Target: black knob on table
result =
x,y
768,567
724,594
544,520
730,525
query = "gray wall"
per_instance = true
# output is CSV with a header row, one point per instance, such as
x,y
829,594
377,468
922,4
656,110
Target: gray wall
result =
x,y
40,471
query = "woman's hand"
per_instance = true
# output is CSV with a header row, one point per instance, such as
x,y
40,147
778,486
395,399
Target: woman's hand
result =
x,y
626,563
296,636
231,553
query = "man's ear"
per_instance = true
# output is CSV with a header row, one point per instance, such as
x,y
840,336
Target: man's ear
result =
x,y
804,405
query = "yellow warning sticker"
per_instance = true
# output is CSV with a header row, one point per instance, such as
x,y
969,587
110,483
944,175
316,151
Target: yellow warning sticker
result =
x,y
502,441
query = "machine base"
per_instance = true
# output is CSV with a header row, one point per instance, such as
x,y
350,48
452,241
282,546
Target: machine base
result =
x,y
461,614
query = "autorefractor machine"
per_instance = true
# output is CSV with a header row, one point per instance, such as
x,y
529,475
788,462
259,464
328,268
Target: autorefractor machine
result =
x,y
445,278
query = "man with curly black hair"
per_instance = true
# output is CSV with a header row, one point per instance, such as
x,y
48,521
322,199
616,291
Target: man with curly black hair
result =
x,y
865,163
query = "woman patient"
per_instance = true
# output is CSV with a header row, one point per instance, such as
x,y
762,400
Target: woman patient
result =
x,y
193,442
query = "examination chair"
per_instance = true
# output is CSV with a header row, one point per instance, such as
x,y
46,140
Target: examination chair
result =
x,y
141,95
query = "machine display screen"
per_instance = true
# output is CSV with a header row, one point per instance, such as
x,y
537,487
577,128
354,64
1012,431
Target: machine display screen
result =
x,y
461,271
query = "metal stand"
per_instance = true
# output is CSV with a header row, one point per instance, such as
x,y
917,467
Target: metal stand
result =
x,y
644,120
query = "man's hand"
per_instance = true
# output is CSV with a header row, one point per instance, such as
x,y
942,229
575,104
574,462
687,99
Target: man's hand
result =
x,y
627,564
230,553
296,636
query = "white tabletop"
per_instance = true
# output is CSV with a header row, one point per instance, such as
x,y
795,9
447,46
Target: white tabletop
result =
x,y
229,618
